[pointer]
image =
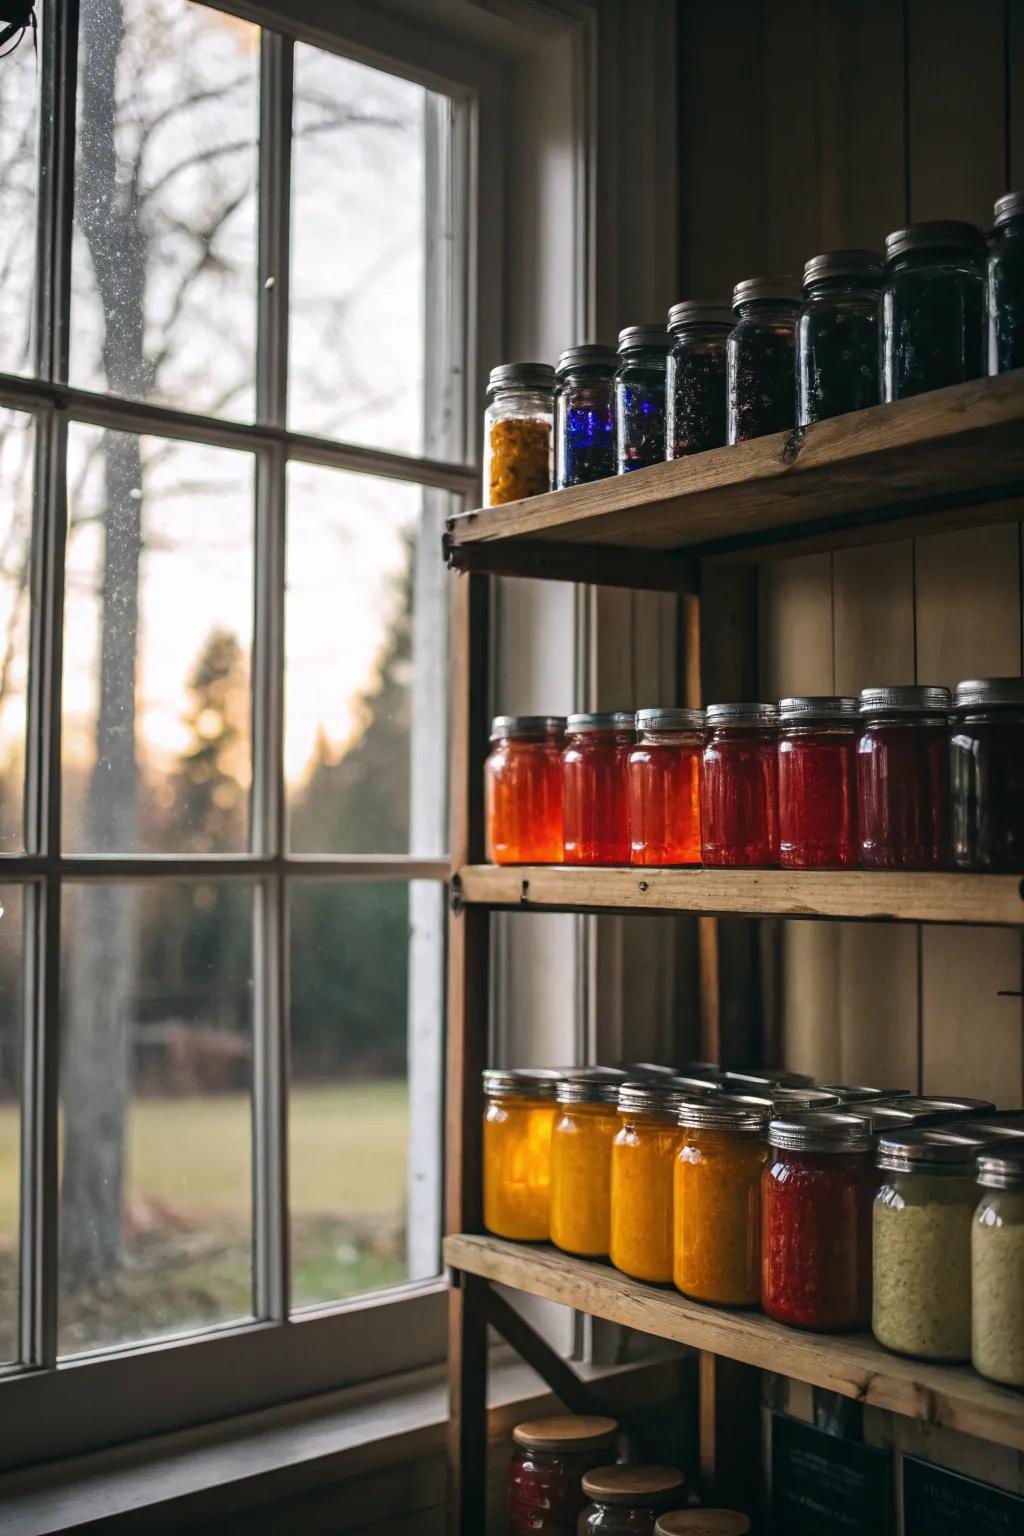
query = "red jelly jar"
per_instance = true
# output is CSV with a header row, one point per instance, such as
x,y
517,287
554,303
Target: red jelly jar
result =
x,y
739,787
818,783
523,783
545,1475
903,778
596,816
663,778
817,1194
987,766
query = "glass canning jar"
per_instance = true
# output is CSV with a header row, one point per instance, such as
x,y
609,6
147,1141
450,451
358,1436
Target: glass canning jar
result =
x,y
717,1199
545,1474
581,1161
594,793
523,789
997,1267
519,1114
702,1522
663,785
816,1197
987,774
818,783
761,358
903,778
922,1242
517,432
838,340
739,787
640,396
643,1170
933,307
584,415
628,1499
696,387
1006,285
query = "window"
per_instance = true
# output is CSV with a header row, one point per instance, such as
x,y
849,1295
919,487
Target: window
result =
x,y
231,427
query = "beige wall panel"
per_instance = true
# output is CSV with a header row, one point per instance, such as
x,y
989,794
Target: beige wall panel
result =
x,y
968,604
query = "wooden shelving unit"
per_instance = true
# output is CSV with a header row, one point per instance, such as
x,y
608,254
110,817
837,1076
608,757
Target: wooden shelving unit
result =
x,y
947,460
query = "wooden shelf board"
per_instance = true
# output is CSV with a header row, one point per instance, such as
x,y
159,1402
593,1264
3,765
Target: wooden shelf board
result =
x,y
854,1365
861,894
952,458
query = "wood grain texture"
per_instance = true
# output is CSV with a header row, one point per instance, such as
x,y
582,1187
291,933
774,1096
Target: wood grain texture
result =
x,y
852,1365
889,897
467,1398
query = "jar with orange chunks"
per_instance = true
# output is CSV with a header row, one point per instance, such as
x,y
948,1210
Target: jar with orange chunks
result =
x,y
519,1115
643,1166
523,789
581,1161
717,1199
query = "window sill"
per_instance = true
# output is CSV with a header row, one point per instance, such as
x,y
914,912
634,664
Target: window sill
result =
x,y
168,1482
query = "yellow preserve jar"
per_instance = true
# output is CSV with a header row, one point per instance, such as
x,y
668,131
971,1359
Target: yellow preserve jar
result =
x,y
643,1160
717,1244
581,1162
518,1117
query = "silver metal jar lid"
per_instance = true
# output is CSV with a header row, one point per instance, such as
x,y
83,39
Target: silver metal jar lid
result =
x,y
521,1082
615,720
695,1082
727,1112
856,1093
526,725
767,1077
639,336
786,1099
908,700
866,265
1009,206
821,1130
1001,1168
934,235
700,312
742,714
590,354
670,719
823,707
538,376
1001,1122
590,1085
652,1097
912,1105
925,1149
985,692
780,288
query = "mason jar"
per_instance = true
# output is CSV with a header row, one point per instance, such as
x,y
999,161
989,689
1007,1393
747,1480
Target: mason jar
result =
x,y
640,396
518,432
626,1500
643,1167
838,337
997,1268
933,307
739,787
761,358
519,1114
903,778
584,415
586,1124
818,783
696,388
663,782
551,1456
1006,286
595,806
987,775
717,1199
523,789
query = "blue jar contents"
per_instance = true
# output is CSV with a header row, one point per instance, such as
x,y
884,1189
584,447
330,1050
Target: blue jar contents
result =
x,y
761,358
640,397
584,415
838,352
695,388
1006,286
933,307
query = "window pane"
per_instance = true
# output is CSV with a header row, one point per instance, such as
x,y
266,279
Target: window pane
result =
x,y
156,1197
158,626
365,977
359,251
164,258
11,971
365,665
17,446
19,118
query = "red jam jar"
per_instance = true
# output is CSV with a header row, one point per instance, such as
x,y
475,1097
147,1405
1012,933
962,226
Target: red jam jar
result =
x,y
817,1194
987,767
545,1475
663,779
903,778
739,787
818,783
596,815
523,790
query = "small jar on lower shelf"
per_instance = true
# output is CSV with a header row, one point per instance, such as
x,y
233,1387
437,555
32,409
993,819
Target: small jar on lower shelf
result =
x,y
586,1124
628,1499
545,1475
997,1268
519,1114
643,1169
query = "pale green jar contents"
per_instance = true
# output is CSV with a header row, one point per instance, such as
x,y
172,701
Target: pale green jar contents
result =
x,y
997,1268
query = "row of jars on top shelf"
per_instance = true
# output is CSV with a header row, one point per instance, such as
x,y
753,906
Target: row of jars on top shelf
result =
x,y
907,778
864,330
834,1209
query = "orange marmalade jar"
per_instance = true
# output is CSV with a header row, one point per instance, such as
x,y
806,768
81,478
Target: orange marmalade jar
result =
x,y
663,777
717,1246
643,1163
523,785
594,788
518,1116
581,1162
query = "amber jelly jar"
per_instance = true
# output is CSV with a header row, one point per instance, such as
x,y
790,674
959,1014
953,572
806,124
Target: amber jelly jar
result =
x,y
545,1475
523,789
739,787
594,794
903,778
519,1115
818,783
717,1222
663,777
585,1126
987,771
643,1172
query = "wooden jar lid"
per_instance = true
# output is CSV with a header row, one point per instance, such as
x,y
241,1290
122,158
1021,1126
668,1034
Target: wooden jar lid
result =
x,y
630,1484
702,1522
566,1432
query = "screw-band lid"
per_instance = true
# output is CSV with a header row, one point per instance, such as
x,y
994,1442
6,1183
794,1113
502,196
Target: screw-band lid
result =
x,y
742,714
590,354
526,725
700,312
929,1149
670,719
779,288
653,1097
727,1112
786,1100
633,337
539,376
935,235
821,1130
590,1085
616,720
1009,206
819,707
521,1082
742,1079
1002,1169
856,1093
985,692
910,699
868,266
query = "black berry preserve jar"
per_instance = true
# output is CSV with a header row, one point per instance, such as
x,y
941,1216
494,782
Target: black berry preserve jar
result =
x,y
838,340
1006,286
761,357
696,389
640,397
584,415
933,307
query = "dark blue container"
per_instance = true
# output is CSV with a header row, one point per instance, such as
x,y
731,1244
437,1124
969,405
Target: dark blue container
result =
x,y
640,396
584,415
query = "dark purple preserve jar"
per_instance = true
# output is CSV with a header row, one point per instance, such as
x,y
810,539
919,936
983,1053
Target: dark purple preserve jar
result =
x,y
987,774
